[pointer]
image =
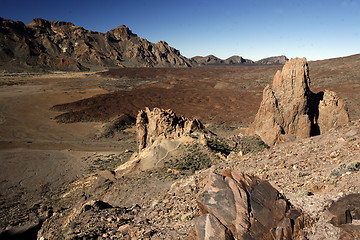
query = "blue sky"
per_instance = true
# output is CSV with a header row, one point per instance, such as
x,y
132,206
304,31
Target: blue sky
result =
x,y
254,29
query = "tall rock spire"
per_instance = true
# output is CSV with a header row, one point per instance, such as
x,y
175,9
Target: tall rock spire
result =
x,y
290,108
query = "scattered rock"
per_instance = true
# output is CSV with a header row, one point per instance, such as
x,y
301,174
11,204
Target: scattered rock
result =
x,y
340,220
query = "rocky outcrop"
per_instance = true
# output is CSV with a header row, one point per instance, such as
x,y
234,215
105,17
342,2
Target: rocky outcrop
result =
x,y
289,108
331,111
56,45
158,123
279,60
238,206
160,135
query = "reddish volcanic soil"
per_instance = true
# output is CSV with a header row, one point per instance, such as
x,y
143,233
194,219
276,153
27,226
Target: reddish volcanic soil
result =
x,y
211,94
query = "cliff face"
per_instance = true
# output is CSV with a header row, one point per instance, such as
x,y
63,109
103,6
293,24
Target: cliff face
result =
x,y
57,45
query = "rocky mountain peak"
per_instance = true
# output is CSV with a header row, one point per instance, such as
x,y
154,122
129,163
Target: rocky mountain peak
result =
x,y
121,33
235,60
62,24
39,22
42,23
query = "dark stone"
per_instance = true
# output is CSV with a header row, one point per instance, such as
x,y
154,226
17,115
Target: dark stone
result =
x,y
247,207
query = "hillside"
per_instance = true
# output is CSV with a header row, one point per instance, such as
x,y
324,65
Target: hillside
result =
x,y
56,45
45,45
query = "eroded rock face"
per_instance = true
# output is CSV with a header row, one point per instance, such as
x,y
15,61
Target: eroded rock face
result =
x,y
331,111
290,108
345,214
161,134
239,206
44,44
159,123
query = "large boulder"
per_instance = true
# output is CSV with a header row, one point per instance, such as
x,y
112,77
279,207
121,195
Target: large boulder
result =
x,y
290,108
240,206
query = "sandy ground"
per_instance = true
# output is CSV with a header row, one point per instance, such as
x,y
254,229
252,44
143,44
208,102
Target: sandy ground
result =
x,y
38,156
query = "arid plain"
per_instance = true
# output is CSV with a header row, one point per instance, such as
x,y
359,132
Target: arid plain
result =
x,y
51,125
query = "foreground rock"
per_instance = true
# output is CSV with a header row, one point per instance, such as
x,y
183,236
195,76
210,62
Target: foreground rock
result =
x,y
316,174
330,211
289,108
238,206
56,45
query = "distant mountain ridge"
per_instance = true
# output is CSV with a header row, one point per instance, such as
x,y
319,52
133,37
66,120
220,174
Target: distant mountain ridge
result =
x,y
57,45
273,60
235,60
213,60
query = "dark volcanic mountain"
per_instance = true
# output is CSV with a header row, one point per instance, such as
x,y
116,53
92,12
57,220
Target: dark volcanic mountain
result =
x,y
278,60
234,60
56,45
237,60
213,60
